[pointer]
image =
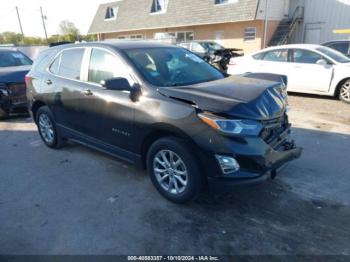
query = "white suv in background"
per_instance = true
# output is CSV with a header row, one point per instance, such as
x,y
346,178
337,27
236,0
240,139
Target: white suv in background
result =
x,y
310,69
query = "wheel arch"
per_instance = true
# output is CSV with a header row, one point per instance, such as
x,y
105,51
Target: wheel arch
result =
x,y
340,83
159,131
35,107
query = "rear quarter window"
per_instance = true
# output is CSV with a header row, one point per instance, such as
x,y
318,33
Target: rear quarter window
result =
x,y
259,56
43,60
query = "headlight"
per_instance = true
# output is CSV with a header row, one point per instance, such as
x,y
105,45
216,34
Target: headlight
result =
x,y
234,126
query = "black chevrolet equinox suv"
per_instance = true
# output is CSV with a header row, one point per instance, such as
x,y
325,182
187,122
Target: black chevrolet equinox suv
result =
x,y
164,109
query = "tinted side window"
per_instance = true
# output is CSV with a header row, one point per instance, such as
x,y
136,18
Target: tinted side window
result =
x,y
341,47
305,56
41,62
103,65
70,64
259,56
276,56
55,66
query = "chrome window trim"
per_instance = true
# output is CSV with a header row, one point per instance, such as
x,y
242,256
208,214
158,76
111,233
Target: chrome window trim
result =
x,y
58,54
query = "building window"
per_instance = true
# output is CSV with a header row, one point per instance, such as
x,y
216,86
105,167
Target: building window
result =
x,y
184,36
128,37
220,2
249,33
159,6
136,36
111,13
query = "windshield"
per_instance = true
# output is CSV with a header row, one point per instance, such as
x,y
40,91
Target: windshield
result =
x,y
171,66
335,55
212,46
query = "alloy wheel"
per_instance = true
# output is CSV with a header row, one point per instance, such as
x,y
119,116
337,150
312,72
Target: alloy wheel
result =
x,y
170,171
46,129
345,91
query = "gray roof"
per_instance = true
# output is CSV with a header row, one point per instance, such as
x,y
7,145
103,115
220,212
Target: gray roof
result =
x,y
136,15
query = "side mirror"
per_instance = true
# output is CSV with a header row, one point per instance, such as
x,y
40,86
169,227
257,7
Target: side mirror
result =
x,y
122,84
322,62
118,84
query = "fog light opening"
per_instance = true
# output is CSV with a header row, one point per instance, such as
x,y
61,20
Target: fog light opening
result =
x,y
227,164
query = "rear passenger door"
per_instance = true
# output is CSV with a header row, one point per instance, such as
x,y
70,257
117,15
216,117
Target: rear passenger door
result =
x,y
274,61
64,82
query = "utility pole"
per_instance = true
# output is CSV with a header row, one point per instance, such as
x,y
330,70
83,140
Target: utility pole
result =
x,y
43,19
20,24
266,21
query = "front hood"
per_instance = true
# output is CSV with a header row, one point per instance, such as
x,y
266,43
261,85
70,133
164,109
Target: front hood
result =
x,y
13,74
234,96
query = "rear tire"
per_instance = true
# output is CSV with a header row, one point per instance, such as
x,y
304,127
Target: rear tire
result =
x,y
344,91
174,170
48,129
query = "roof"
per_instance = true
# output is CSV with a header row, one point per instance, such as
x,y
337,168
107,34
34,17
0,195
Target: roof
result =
x,y
136,14
303,46
117,45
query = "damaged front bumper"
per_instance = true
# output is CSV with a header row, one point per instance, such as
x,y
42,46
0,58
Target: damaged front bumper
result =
x,y
263,168
259,158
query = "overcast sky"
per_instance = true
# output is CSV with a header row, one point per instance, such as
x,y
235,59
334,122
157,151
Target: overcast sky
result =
x,y
80,12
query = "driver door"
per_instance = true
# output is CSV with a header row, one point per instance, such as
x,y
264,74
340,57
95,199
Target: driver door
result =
x,y
107,115
306,74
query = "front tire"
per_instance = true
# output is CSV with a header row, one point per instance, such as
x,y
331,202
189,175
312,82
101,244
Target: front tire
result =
x,y
344,92
174,170
47,128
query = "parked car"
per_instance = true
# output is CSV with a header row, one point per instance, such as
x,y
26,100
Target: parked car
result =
x,y
310,69
165,109
343,46
14,65
212,52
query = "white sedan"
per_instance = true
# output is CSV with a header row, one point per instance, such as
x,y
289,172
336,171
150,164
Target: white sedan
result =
x,y
310,69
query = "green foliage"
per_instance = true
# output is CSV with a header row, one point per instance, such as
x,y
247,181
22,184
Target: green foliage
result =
x,y
68,33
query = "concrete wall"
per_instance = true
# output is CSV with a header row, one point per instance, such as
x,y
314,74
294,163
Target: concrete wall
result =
x,y
232,33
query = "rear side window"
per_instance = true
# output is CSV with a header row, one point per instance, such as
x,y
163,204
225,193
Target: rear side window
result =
x,y
276,56
259,56
68,63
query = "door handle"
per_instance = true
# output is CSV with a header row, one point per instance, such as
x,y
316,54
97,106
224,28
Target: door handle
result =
x,y
49,82
88,92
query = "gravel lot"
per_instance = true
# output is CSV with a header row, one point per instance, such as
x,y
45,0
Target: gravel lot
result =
x,y
79,201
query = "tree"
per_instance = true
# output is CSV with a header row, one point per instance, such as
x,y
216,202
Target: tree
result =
x,y
69,31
